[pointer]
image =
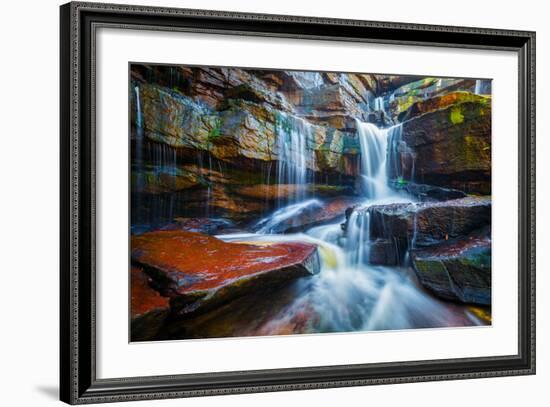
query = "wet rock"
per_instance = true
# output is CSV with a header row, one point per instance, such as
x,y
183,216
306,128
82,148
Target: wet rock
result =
x,y
209,226
333,105
200,272
254,314
148,309
384,252
395,229
176,120
426,193
458,270
275,192
440,102
452,146
305,215
424,89
156,180
428,223
389,83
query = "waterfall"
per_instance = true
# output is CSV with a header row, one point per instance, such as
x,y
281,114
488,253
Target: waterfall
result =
x,y
349,293
394,162
358,238
139,131
374,146
397,149
379,104
292,137
164,158
477,89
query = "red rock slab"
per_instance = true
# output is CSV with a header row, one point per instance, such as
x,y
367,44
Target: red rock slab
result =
x,y
199,269
148,309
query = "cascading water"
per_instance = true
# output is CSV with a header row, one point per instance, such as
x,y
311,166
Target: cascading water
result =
x,y
292,137
477,89
358,238
138,154
348,294
374,146
139,126
379,104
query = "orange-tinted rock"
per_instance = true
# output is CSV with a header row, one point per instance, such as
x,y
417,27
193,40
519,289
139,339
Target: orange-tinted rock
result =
x,y
199,271
148,309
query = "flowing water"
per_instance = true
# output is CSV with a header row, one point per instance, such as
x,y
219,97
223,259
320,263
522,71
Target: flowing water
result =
x,y
477,89
293,135
349,294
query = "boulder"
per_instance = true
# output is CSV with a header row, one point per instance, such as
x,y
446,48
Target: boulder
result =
x,y
148,309
397,228
427,193
452,146
255,314
209,226
458,270
304,215
429,222
200,272
383,252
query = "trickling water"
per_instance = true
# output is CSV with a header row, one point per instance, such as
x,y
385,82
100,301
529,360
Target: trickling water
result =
x,y
477,89
164,158
395,136
138,157
379,104
292,137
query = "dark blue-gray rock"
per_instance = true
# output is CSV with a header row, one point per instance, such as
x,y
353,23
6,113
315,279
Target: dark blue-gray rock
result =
x,y
426,193
459,270
429,223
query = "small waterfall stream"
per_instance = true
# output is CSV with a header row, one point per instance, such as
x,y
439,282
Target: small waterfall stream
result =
x,y
292,137
477,89
349,294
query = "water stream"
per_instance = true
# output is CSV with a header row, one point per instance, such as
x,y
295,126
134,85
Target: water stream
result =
x,y
349,294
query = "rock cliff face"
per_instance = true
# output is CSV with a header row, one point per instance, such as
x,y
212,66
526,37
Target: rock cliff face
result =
x,y
237,125
451,140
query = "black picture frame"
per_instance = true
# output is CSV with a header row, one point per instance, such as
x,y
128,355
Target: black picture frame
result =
x,y
78,382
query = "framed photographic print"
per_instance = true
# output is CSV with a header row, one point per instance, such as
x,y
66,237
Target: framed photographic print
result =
x,y
257,203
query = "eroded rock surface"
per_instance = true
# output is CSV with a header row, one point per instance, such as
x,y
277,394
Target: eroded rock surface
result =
x,y
199,271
